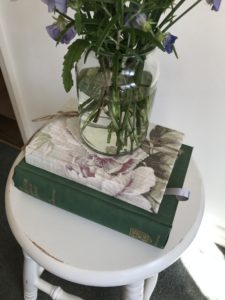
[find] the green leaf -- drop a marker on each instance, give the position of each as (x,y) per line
(120,11)
(73,54)
(78,22)
(104,1)
(115,69)
(105,33)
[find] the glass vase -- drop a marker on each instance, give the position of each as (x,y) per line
(115,97)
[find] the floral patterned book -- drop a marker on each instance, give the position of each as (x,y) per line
(139,178)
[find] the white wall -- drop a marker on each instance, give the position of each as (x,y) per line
(191,90)
(33,60)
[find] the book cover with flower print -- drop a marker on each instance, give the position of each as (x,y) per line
(139,178)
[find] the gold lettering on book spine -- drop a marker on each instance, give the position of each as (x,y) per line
(29,188)
(52,200)
(140,235)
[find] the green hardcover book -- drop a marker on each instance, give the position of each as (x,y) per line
(104,209)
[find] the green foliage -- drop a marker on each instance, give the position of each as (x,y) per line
(74,53)
(120,33)
(118,27)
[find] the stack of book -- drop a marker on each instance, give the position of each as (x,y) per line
(125,193)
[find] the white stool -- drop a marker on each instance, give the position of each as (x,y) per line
(87,253)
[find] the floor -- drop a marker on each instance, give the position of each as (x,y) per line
(205,263)
(9,132)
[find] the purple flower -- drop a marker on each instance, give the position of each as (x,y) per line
(168,42)
(139,20)
(54,32)
(216,5)
(61,5)
(136,22)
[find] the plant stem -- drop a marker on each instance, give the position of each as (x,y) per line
(184,13)
(167,18)
(64,15)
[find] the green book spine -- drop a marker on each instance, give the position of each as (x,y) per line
(104,209)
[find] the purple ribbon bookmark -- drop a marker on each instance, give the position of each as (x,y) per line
(181,194)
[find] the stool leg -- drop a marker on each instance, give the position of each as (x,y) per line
(133,291)
(30,277)
(55,292)
(150,284)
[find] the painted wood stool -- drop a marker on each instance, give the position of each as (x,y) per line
(84,252)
